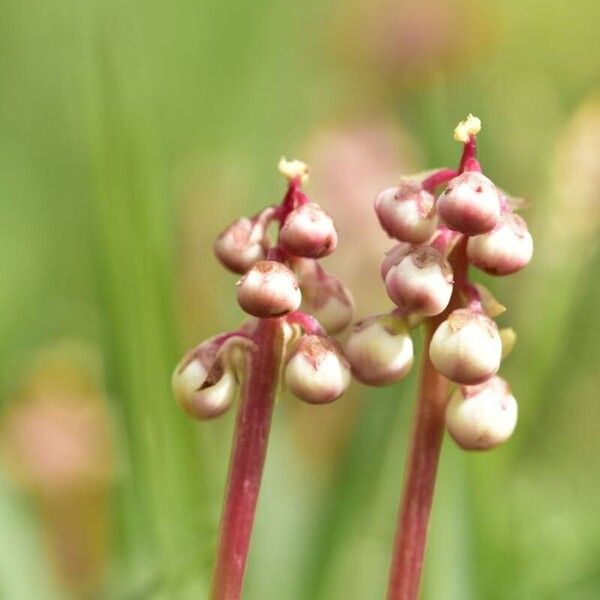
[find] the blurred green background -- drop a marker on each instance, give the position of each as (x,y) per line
(131,133)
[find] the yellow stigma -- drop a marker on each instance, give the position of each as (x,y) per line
(293,169)
(467,129)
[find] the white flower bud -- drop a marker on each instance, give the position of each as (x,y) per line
(406,212)
(268,289)
(470,204)
(466,347)
(203,385)
(332,307)
(482,417)
(421,282)
(316,370)
(241,245)
(393,256)
(504,250)
(325,297)
(308,231)
(380,350)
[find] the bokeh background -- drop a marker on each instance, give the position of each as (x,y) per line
(131,133)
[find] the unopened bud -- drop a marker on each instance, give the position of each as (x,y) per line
(470,204)
(316,370)
(466,347)
(203,384)
(482,417)
(325,297)
(268,289)
(504,250)
(308,231)
(241,245)
(393,256)
(380,350)
(421,282)
(406,212)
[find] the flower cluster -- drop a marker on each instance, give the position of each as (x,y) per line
(281,280)
(444,221)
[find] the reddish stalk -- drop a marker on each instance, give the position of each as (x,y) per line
(248,454)
(413,518)
(421,467)
(438,178)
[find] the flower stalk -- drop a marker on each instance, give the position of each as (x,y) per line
(422,462)
(426,275)
(426,443)
(248,455)
(278,278)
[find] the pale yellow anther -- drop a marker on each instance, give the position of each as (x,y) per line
(467,129)
(293,169)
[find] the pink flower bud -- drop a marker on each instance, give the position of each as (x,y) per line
(504,250)
(241,245)
(482,417)
(203,385)
(308,231)
(380,350)
(316,370)
(421,282)
(325,297)
(268,289)
(406,212)
(466,347)
(393,256)
(470,204)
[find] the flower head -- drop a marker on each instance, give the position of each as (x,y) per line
(483,416)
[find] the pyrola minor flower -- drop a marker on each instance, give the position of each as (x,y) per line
(466,347)
(380,350)
(269,289)
(203,383)
(427,277)
(470,204)
(243,242)
(324,296)
(406,212)
(308,231)
(483,416)
(393,256)
(421,282)
(504,250)
(316,370)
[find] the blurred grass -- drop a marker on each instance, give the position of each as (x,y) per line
(126,126)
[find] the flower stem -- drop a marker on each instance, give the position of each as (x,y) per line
(438,178)
(247,461)
(421,467)
(413,518)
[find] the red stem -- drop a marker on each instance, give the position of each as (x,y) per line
(438,178)
(308,323)
(247,461)
(413,518)
(421,470)
(469,154)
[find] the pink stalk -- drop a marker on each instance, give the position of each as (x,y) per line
(308,323)
(248,454)
(438,178)
(427,435)
(468,155)
(421,466)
